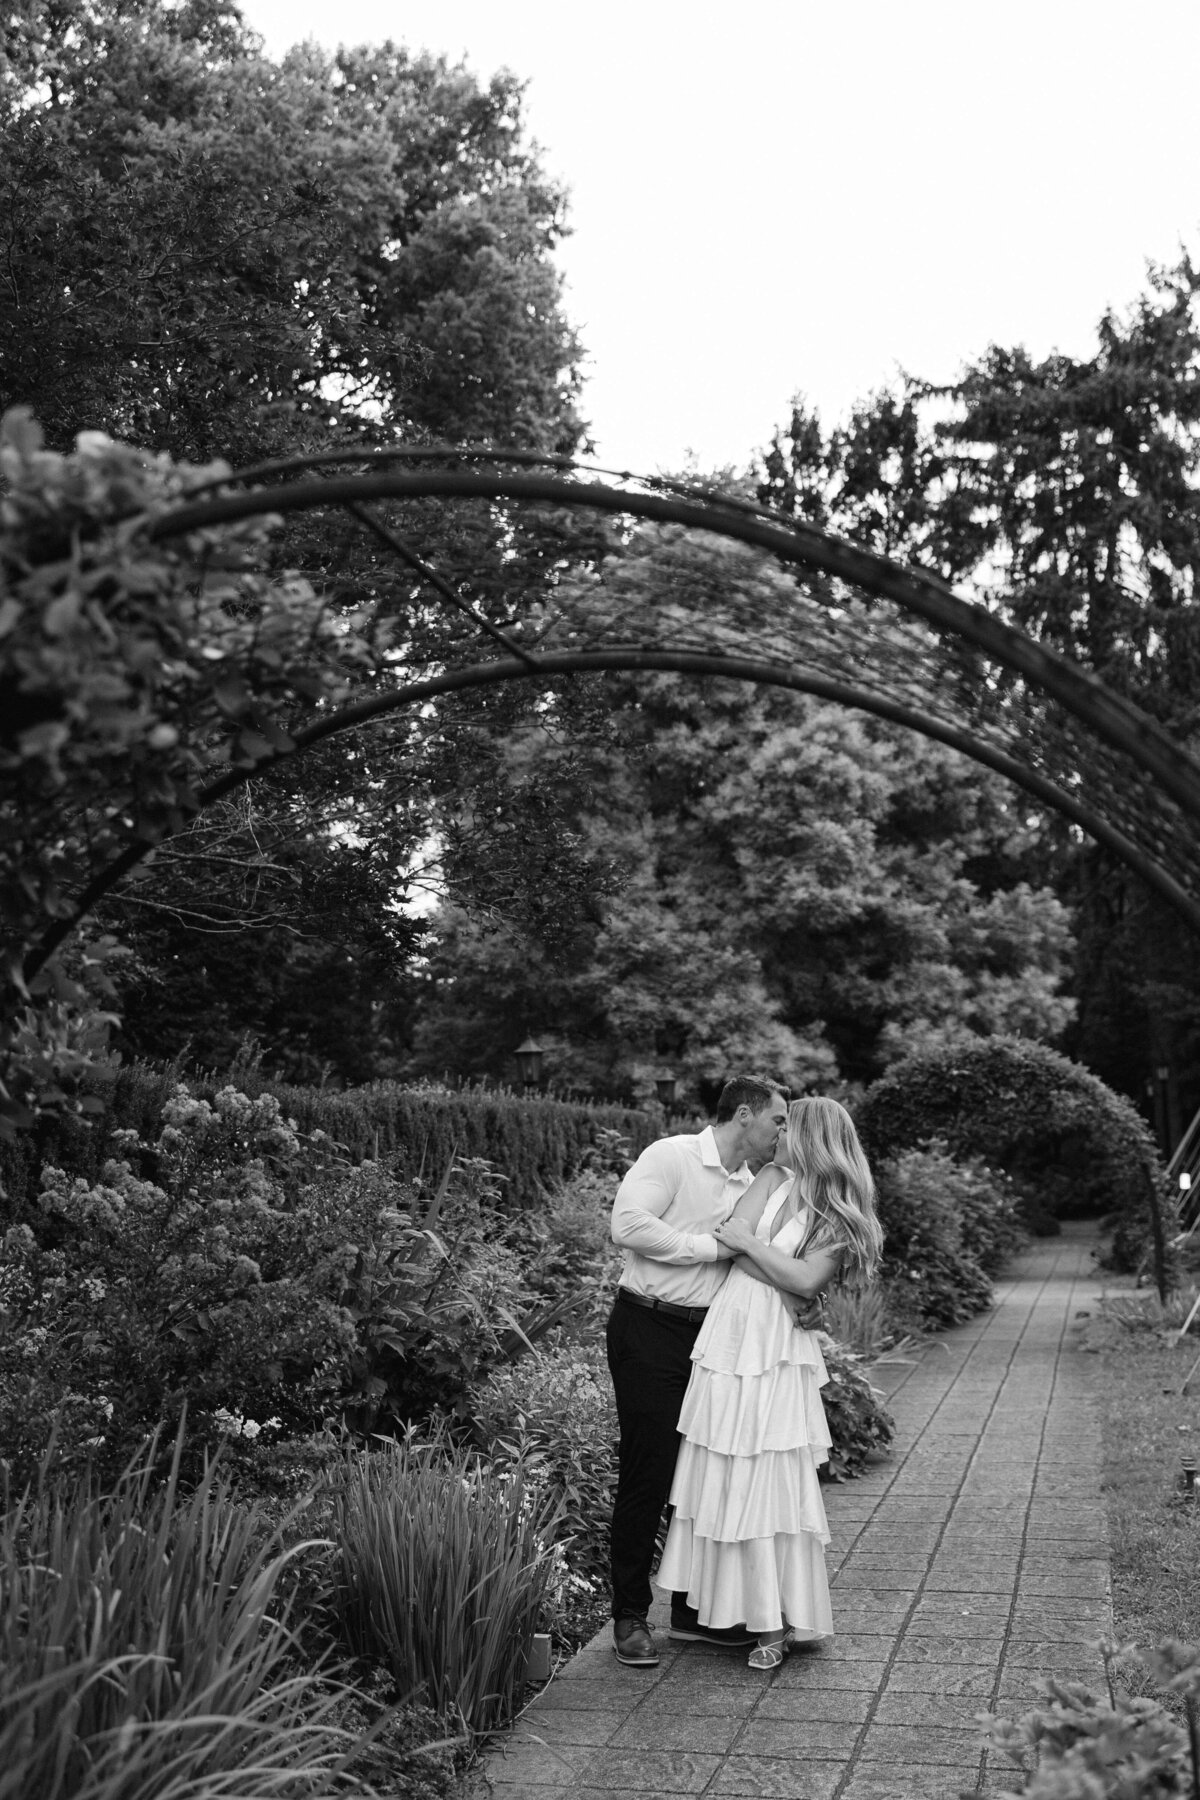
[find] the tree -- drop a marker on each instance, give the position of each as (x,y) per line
(217,255)
(212,253)
(1063,492)
(803,890)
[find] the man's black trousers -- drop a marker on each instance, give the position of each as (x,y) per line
(650,1360)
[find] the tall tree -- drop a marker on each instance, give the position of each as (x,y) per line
(1063,492)
(214,254)
(801,890)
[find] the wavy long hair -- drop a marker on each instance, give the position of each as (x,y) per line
(836,1183)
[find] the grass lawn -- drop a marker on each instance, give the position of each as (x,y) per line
(1148,1425)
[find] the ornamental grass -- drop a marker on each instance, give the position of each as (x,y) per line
(147,1653)
(443,1566)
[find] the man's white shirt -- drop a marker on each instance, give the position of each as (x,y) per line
(667,1207)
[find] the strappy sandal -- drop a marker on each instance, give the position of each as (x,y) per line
(770,1655)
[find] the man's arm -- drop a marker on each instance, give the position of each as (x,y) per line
(643,1197)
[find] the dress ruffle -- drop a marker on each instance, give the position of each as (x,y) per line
(732,1498)
(779,1409)
(748,1330)
(759,1583)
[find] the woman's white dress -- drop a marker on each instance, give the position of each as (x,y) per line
(748,1535)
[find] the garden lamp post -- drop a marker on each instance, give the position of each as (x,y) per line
(529,1058)
(665,1087)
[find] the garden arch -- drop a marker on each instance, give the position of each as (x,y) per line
(859,630)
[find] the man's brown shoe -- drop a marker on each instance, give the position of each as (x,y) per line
(633,1643)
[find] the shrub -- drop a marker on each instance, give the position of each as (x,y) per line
(149,1293)
(926,1264)
(1050,1124)
(537,1143)
(860,1320)
(260,1280)
(859,1423)
(990,1211)
(554,1412)
(147,1646)
(442,1568)
(430,1283)
(571,1262)
(1108,1748)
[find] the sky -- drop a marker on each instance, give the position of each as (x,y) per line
(780,197)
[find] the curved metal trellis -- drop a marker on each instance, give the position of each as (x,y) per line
(851,627)
(934,661)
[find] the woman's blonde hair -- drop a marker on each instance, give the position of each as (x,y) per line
(836,1183)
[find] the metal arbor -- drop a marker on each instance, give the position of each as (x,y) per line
(850,627)
(924,658)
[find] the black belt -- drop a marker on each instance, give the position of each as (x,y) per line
(670,1310)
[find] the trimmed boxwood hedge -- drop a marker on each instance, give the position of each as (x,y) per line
(1062,1135)
(536,1143)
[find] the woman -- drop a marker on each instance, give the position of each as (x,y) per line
(748,1533)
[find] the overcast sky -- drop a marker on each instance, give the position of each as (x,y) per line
(775,197)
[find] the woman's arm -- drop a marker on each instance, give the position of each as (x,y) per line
(805,1275)
(752,1203)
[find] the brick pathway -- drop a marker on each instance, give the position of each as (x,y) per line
(964,1569)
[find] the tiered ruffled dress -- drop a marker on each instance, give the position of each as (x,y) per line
(748,1535)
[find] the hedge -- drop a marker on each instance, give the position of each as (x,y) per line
(536,1143)
(1053,1125)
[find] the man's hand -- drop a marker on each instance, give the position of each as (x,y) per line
(809,1315)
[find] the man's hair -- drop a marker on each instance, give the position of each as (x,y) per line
(746,1090)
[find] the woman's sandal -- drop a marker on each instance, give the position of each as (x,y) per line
(770,1655)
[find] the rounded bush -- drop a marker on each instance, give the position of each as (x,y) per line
(1057,1130)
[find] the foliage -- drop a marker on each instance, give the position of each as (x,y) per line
(802,889)
(148,1646)
(1062,492)
(859,1423)
(857,1317)
(1082,1746)
(192,1288)
(925,1249)
(553,1411)
(990,1208)
(442,1568)
(127,678)
(245,1275)
(1148,1422)
(1063,489)
(539,1142)
(571,1264)
(289,246)
(215,254)
(1050,1124)
(428,1282)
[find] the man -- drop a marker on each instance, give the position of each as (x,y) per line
(666,1209)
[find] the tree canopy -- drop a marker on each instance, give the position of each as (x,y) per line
(800,889)
(214,254)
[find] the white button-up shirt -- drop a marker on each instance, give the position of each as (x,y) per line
(667,1207)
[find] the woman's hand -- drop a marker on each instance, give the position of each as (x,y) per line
(735,1234)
